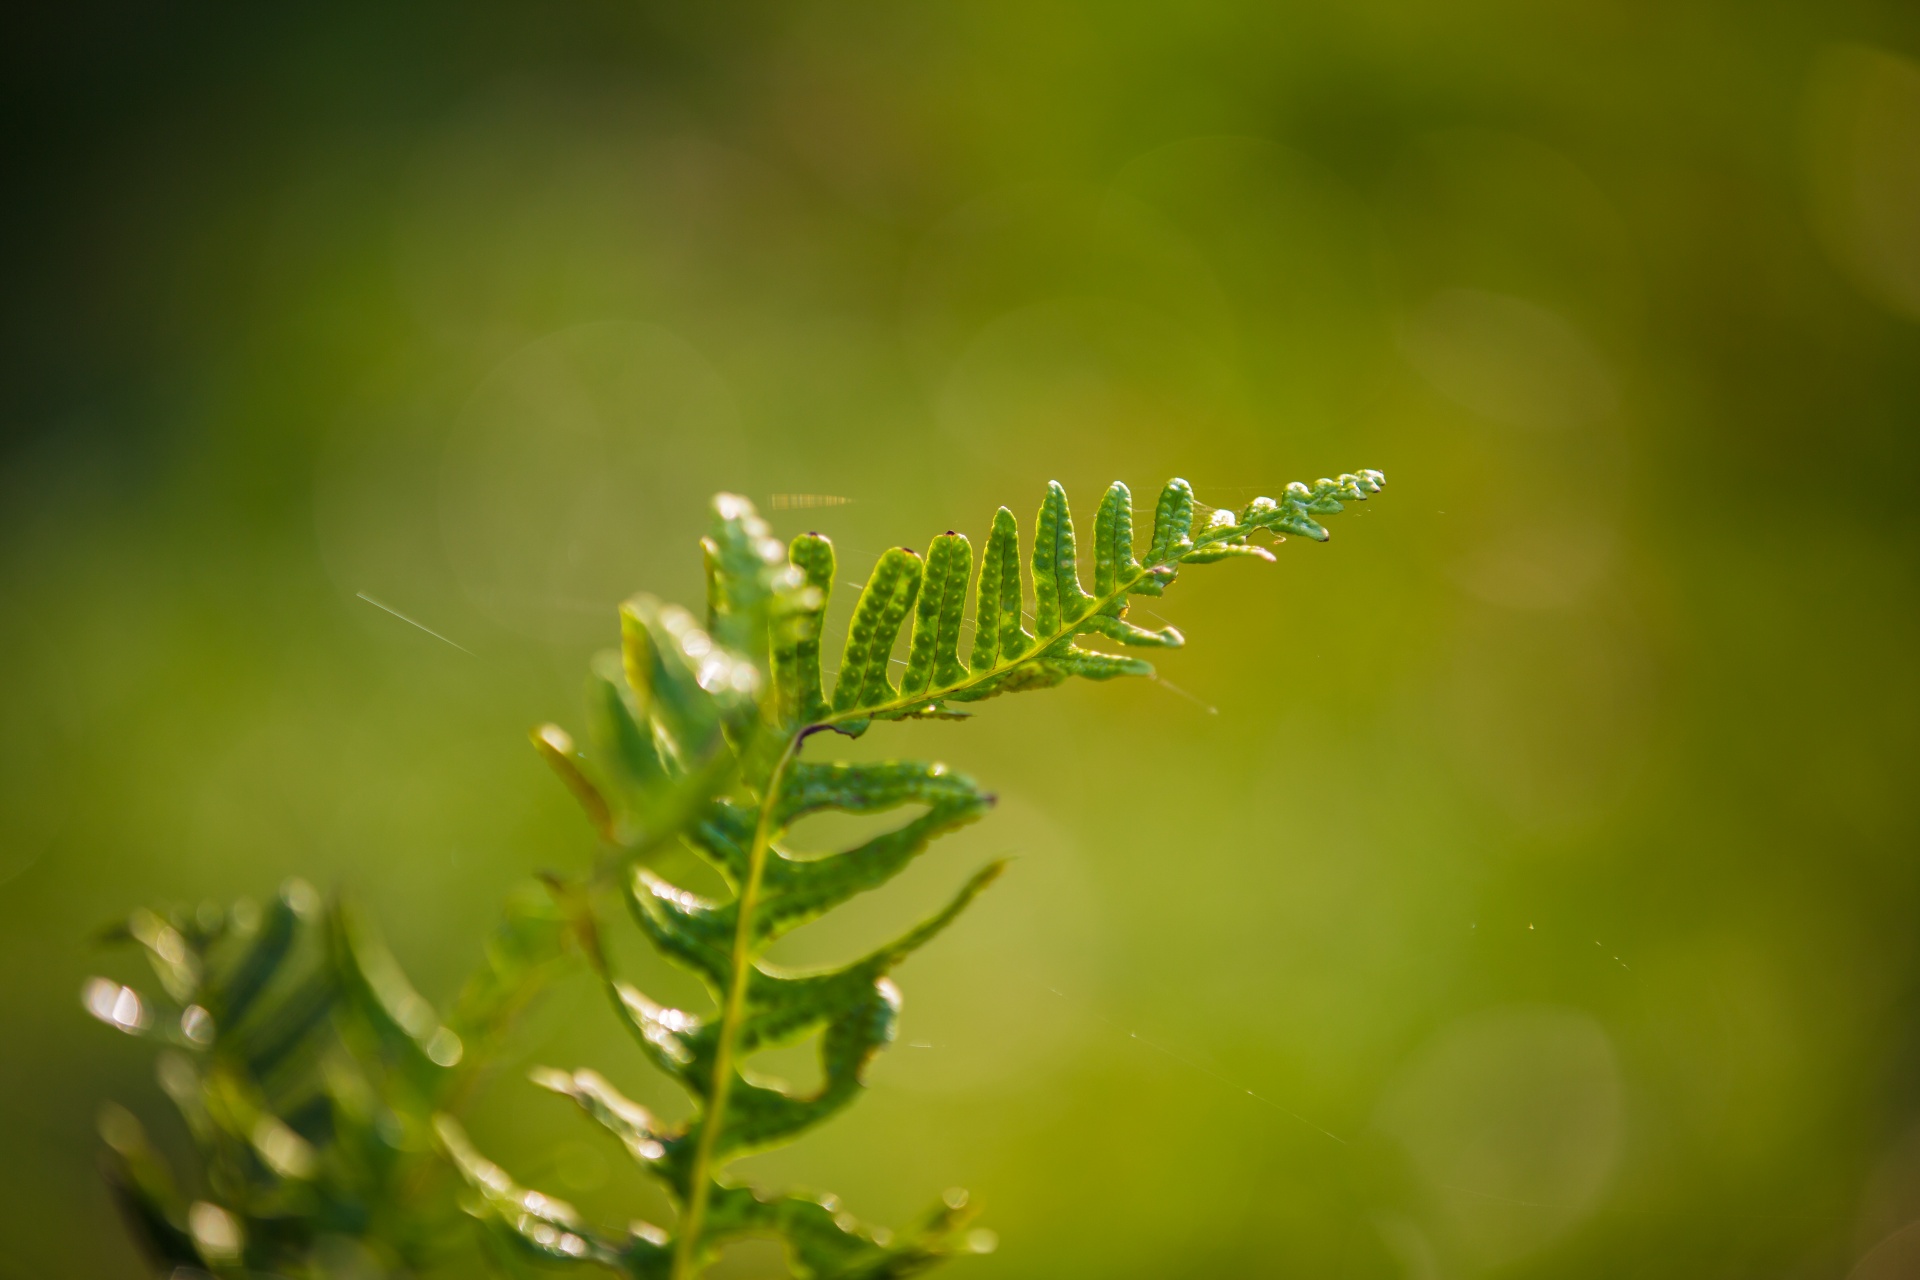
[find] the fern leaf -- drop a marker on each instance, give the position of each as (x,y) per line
(681,925)
(1172,519)
(998,631)
(626,1120)
(1114,628)
(1214,553)
(403,1021)
(633,755)
(555,746)
(797,890)
(697,683)
(826,1243)
(671,717)
(796,648)
(704,743)
(747,572)
(1057,595)
(1113,541)
(1088,664)
(539,1228)
(866,788)
(933,656)
(662,1031)
(884,604)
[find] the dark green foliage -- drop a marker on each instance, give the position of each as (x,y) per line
(308,1071)
(697,736)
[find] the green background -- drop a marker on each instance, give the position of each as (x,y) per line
(1523,884)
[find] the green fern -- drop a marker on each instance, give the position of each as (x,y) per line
(697,735)
(308,1072)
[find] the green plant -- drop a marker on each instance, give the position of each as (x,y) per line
(698,734)
(308,1071)
(696,737)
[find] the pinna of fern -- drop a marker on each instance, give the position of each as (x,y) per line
(696,735)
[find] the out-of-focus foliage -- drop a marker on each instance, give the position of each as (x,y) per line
(697,737)
(463,308)
(308,1072)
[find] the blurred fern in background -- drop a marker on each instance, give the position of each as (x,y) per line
(307,1070)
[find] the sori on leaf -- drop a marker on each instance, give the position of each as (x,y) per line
(696,732)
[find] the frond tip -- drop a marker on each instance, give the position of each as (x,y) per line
(1007,656)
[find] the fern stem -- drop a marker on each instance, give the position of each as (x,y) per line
(733,1008)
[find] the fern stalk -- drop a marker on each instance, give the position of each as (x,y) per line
(741,960)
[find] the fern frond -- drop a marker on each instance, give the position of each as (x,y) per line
(307,1069)
(696,735)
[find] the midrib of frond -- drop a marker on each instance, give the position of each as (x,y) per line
(740,966)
